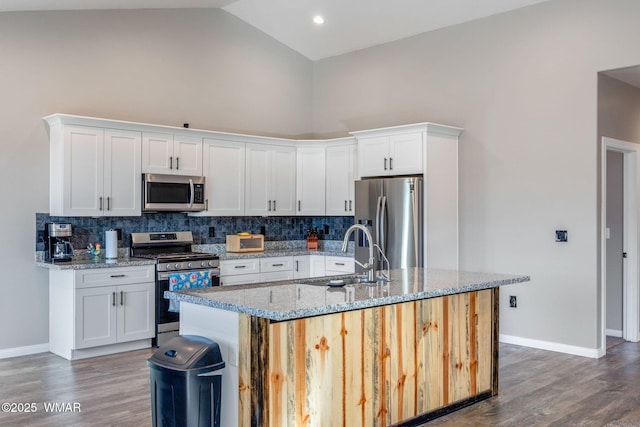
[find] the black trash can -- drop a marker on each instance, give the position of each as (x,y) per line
(185,387)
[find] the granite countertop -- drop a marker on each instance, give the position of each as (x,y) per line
(282,252)
(85,262)
(296,299)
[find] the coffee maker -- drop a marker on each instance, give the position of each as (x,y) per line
(58,241)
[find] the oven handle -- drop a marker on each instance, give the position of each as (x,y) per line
(164,275)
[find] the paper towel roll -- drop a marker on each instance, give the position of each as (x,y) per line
(111,244)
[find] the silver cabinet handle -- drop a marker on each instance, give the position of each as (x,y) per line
(170,162)
(345,205)
(240,266)
(385,163)
(269,205)
(177,163)
(121,298)
(390,163)
(206,204)
(299,206)
(297,266)
(108,203)
(339,263)
(113,299)
(350,205)
(114,276)
(277,265)
(100,198)
(274,205)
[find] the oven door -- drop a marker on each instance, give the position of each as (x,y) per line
(163,315)
(172,193)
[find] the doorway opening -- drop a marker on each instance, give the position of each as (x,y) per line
(630,322)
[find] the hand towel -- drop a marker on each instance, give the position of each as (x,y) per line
(187,280)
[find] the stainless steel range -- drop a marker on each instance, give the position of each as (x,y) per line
(173,254)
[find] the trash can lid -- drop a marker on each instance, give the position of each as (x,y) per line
(187,352)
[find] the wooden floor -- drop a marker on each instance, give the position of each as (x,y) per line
(537,388)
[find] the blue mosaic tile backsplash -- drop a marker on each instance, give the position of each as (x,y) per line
(91,230)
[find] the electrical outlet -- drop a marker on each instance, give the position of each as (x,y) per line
(513,301)
(263,230)
(326,229)
(212,232)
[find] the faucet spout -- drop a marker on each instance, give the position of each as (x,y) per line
(371,265)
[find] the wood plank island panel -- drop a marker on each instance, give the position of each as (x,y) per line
(371,367)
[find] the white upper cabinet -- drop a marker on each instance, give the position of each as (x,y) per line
(169,154)
(385,155)
(270,180)
(224,170)
(94,171)
(310,181)
(341,174)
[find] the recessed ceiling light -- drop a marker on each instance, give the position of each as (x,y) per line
(318,19)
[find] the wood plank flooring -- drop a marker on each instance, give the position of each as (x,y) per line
(537,388)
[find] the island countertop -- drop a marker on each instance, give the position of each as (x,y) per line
(296,299)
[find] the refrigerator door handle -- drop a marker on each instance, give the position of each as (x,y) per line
(378,205)
(383,231)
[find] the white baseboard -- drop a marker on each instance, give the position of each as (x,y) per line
(613,333)
(24,351)
(551,346)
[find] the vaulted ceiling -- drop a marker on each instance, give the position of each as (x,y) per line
(349,24)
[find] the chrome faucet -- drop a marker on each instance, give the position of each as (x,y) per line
(369,266)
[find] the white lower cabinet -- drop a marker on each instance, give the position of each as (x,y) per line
(101,311)
(271,269)
(114,314)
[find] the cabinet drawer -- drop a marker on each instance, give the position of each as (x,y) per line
(275,276)
(239,266)
(114,276)
(339,264)
(239,279)
(281,263)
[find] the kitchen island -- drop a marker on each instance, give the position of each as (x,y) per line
(397,352)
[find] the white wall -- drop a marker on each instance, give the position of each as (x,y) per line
(524,86)
(204,67)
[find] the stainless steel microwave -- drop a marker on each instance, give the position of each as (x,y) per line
(172,193)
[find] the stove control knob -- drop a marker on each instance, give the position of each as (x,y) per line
(190,265)
(168,266)
(211,263)
(177,265)
(202,264)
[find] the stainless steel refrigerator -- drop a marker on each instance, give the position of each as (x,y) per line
(392,209)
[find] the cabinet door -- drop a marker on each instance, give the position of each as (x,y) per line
(241,279)
(136,311)
(83,171)
(405,154)
(187,152)
(283,180)
(122,168)
(223,167)
(275,276)
(95,317)
(258,177)
(280,263)
(302,266)
(157,153)
(373,156)
(340,174)
(310,181)
(317,267)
